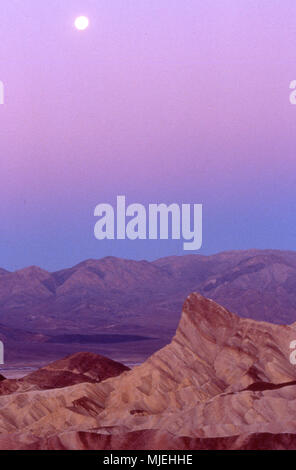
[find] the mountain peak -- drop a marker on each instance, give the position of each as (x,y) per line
(32,271)
(203,318)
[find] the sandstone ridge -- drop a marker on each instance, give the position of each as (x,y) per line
(221,382)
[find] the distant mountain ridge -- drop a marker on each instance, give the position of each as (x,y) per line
(113,285)
(117,296)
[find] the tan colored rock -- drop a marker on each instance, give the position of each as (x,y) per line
(221,377)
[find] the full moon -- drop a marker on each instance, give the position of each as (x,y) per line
(81,23)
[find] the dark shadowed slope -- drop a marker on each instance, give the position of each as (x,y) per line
(75,369)
(160,440)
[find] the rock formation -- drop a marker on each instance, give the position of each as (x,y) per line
(74,369)
(223,382)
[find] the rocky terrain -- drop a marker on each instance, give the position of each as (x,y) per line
(224,382)
(75,369)
(129,309)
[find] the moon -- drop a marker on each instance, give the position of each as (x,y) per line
(81,23)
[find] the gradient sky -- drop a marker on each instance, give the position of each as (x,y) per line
(159,100)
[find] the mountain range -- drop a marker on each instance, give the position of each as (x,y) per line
(128,309)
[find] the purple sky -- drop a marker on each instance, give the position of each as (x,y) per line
(159,100)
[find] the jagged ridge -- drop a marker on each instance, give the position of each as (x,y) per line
(206,384)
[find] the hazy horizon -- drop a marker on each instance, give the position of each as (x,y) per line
(151,260)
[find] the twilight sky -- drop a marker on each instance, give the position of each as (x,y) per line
(159,100)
